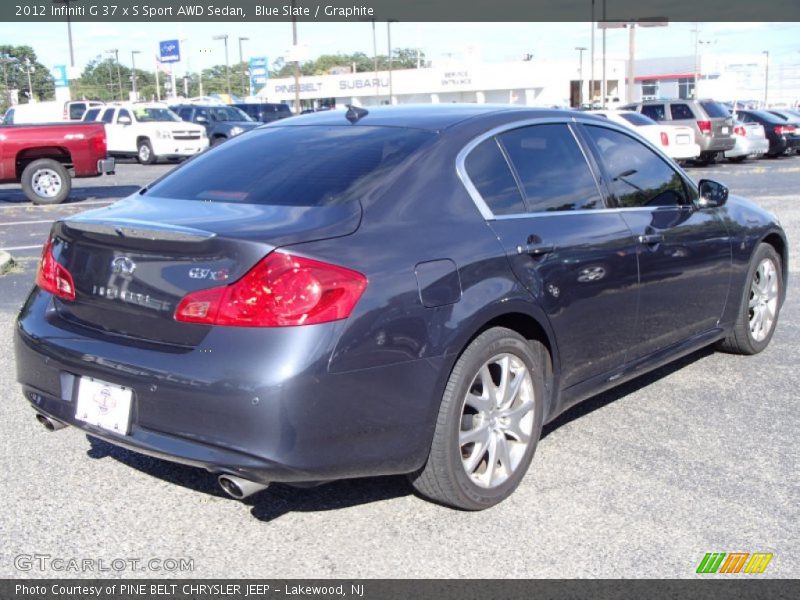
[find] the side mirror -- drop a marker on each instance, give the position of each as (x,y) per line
(712,194)
(124,121)
(201,120)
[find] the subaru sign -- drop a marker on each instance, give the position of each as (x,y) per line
(169,51)
(259,73)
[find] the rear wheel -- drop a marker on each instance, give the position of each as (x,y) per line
(737,159)
(489,422)
(760,304)
(46,181)
(144,152)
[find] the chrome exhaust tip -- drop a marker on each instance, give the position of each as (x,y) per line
(239,488)
(50,424)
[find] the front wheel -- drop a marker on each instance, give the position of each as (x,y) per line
(760,304)
(144,152)
(489,422)
(46,181)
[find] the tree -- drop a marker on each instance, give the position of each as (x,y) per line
(402,58)
(16,60)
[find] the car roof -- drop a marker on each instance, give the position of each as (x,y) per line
(421,116)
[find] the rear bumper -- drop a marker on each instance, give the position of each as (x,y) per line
(684,151)
(106,166)
(748,147)
(261,404)
(716,144)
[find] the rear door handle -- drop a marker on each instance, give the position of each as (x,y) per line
(539,249)
(651,238)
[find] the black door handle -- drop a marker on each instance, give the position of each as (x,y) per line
(651,238)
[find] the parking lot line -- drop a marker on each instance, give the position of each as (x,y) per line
(67,205)
(12,248)
(25,222)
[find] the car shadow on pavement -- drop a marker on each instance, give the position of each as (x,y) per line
(596,402)
(280,499)
(267,505)
(78,193)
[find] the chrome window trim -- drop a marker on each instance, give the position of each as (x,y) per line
(487,213)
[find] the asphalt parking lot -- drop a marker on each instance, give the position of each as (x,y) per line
(642,481)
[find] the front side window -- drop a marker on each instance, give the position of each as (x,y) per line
(123,114)
(91,114)
(637,175)
(551,168)
(490,174)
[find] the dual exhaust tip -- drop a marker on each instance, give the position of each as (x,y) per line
(234,486)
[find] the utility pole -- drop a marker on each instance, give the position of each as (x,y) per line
(603,87)
(591,61)
(133,73)
(389,42)
(296,62)
(241,63)
(69,30)
(375,62)
(631,59)
(580,50)
(30,85)
(766,76)
(224,38)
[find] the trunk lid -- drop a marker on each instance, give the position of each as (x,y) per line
(133,262)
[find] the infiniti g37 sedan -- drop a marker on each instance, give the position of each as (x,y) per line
(403,290)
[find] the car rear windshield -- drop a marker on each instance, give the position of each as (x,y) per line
(293,166)
(715,110)
(637,119)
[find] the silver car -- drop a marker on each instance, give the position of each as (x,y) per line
(751,141)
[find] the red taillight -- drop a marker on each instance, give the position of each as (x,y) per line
(705,127)
(784,129)
(99,144)
(280,291)
(664,138)
(739,130)
(52,276)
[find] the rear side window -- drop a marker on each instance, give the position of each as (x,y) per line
(638,176)
(91,114)
(294,166)
(715,110)
(655,112)
(108,116)
(551,168)
(490,174)
(681,111)
(76,110)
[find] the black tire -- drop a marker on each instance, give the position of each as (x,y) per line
(46,181)
(216,141)
(741,339)
(444,477)
(737,159)
(144,152)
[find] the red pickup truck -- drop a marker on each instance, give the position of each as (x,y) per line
(45,157)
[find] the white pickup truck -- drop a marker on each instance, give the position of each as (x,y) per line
(149,131)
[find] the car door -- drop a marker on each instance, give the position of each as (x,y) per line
(575,258)
(126,130)
(684,251)
(114,138)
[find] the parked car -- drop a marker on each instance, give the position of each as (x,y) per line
(148,131)
(395,290)
(75,109)
(265,112)
(44,158)
(783,137)
(751,141)
(222,122)
(47,112)
(676,142)
(711,122)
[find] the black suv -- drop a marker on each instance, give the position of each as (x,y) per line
(265,112)
(220,120)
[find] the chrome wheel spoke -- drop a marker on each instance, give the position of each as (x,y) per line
(503,456)
(473,436)
(763,302)
(512,391)
(491,460)
(480,403)
(513,421)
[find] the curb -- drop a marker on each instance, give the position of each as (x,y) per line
(5,261)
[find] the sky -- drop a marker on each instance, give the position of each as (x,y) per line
(491,42)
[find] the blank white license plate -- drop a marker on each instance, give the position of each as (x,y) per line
(683,139)
(104,405)
(725,130)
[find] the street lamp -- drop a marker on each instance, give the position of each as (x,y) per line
(241,62)
(224,38)
(580,50)
(389,43)
(133,73)
(766,76)
(69,29)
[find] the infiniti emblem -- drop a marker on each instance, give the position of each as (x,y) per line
(124,265)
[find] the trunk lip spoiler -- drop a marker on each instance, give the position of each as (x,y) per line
(136,229)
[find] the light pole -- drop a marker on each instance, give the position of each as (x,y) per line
(389,43)
(69,29)
(224,38)
(766,76)
(591,62)
(375,63)
(115,52)
(580,50)
(28,69)
(296,62)
(241,62)
(133,73)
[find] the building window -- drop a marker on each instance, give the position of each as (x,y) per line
(686,88)
(649,89)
